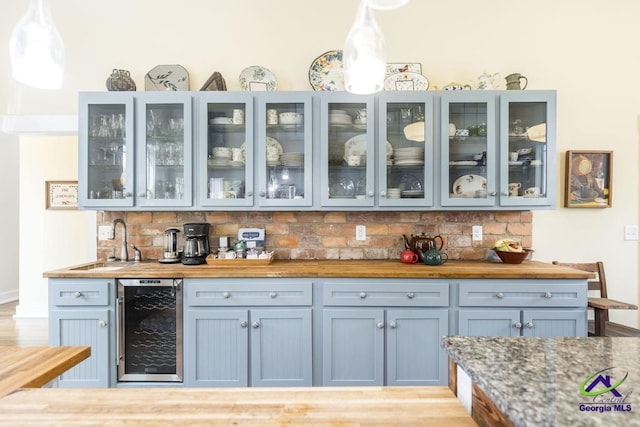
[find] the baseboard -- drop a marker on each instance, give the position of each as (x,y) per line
(8,296)
(23,312)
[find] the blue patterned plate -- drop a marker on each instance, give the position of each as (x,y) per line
(326,72)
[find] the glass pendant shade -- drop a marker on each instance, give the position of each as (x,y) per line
(385,4)
(36,48)
(364,55)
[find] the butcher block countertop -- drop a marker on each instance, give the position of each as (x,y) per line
(311,268)
(327,406)
(35,366)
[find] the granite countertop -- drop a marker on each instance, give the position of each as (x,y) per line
(312,268)
(537,381)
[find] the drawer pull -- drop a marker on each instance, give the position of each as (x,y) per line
(255,325)
(411,295)
(102,323)
(273,294)
(517,325)
(393,325)
(380,325)
(77,294)
(528,325)
(363,295)
(226,295)
(547,295)
(243,324)
(499,295)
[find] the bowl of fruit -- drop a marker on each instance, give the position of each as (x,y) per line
(510,251)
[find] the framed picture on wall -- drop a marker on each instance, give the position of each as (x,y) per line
(588,179)
(62,195)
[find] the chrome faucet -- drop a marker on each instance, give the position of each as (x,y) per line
(124,255)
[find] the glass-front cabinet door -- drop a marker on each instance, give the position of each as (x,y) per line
(225,149)
(283,149)
(405,149)
(527,151)
(347,159)
(468,148)
(105,150)
(164,158)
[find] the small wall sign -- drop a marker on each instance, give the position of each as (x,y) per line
(62,195)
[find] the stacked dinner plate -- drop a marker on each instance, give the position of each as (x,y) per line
(408,156)
(221,156)
(393,193)
(292,159)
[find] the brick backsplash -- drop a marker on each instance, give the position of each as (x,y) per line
(327,235)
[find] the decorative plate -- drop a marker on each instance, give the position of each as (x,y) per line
(167,78)
(256,78)
(325,72)
(401,67)
(406,81)
(273,145)
(467,185)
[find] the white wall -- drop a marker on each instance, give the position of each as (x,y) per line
(585,49)
(9,195)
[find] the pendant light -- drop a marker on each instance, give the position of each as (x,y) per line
(385,4)
(364,54)
(36,48)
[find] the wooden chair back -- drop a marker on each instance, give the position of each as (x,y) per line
(598,283)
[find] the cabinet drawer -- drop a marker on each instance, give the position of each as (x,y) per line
(74,292)
(523,293)
(240,292)
(404,293)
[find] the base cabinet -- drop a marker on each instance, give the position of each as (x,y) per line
(239,334)
(80,315)
(526,323)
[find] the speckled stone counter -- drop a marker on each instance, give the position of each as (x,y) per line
(538,381)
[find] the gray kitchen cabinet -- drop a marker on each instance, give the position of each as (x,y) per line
(239,333)
(81,314)
(522,308)
(497,149)
(382,332)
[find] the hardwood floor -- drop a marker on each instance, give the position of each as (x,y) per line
(23,332)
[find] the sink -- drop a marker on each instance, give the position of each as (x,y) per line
(100,266)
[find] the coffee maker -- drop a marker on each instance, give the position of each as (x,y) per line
(196,248)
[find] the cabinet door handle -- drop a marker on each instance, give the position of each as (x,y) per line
(262,194)
(226,295)
(255,325)
(102,323)
(504,193)
(499,295)
(380,325)
(273,294)
(363,295)
(370,194)
(383,194)
(528,325)
(411,295)
(517,325)
(393,325)
(249,193)
(77,294)
(493,193)
(243,324)
(547,295)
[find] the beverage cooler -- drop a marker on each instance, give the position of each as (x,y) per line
(149,330)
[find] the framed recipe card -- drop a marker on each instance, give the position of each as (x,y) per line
(62,195)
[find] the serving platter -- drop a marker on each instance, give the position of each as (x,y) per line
(468,185)
(357,146)
(326,73)
(166,78)
(257,79)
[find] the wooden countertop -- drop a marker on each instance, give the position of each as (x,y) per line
(35,366)
(311,268)
(344,406)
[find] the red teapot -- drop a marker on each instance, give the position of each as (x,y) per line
(408,256)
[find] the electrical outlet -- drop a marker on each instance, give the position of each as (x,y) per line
(630,232)
(361,232)
(106,232)
(476,233)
